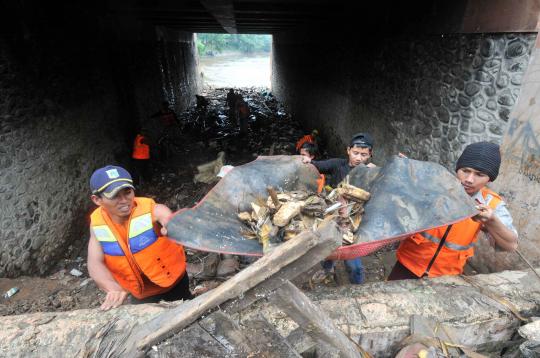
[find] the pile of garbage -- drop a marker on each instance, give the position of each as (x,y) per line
(284,215)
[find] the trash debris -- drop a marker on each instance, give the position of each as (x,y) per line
(227,266)
(286,214)
(75,272)
(205,268)
(208,172)
(224,170)
(12,291)
(85,282)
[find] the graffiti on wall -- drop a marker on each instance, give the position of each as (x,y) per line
(524,149)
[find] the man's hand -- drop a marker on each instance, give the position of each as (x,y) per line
(113,299)
(401,155)
(305,159)
(485,215)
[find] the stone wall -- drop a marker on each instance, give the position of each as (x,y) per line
(519,181)
(426,96)
(70,101)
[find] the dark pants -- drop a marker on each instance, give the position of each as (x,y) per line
(179,292)
(400,272)
(354,268)
(142,172)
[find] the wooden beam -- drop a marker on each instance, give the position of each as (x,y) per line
(313,320)
(170,322)
(331,241)
(223,329)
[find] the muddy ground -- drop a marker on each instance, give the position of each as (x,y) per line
(202,135)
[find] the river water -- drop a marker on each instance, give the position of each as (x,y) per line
(236,70)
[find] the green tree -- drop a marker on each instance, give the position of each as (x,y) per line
(212,44)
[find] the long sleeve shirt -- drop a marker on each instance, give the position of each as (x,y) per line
(338,168)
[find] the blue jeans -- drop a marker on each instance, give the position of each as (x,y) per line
(354,268)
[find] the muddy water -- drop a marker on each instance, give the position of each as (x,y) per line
(236,70)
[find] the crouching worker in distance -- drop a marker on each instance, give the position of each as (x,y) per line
(129,252)
(445,250)
(309,150)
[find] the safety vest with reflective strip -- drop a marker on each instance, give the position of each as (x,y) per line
(143,263)
(416,252)
(140,149)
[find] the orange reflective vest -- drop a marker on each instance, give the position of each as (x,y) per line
(416,252)
(320,183)
(143,263)
(140,149)
(308,138)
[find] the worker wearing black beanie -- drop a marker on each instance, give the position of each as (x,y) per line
(482,156)
(444,250)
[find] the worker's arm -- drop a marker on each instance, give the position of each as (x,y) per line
(505,238)
(327,166)
(116,295)
(162,214)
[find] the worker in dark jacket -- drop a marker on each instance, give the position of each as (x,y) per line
(360,152)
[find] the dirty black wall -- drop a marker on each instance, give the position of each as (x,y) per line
(72,92)
(426,96)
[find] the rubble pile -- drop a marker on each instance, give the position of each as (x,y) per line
(211,140)
(271,130)
(284,215)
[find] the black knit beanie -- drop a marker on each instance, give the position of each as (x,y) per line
(482,156)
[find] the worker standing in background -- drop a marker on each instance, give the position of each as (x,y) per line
(128,250)
(242,113)
(141,158)
(231,103)
(445,250)
(165,121)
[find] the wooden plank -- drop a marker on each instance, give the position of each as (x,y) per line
(193,342)
(300,341)
(312,319)
(330,240)
(170,322)
(268,340)
(228,333)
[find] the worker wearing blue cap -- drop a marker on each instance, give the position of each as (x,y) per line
(128,251)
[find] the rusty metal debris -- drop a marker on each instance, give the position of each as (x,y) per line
(283,215)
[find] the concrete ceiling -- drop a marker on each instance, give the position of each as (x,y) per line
(232,16)
(273,16)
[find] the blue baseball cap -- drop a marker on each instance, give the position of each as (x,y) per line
(109,180)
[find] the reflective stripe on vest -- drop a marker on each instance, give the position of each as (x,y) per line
(107,240)
(449,245)
(141,235)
